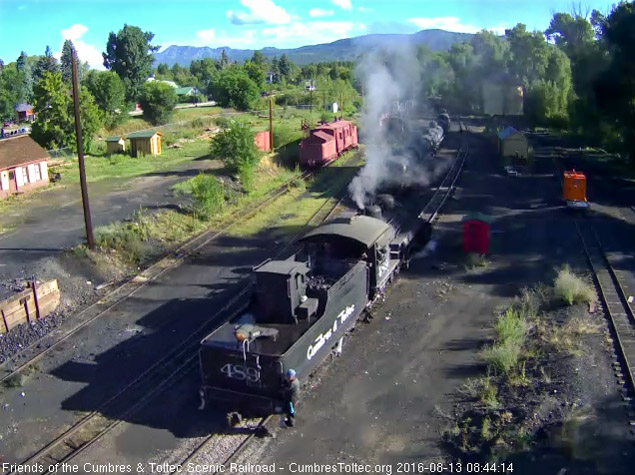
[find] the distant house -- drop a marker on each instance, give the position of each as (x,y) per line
(512,143)
(170,83)
(116,144)
(187,91)
(145,143)
(23,165)
(24,112)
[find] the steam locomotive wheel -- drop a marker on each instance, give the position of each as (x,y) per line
(233,419)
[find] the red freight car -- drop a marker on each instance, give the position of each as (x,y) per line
(327,142)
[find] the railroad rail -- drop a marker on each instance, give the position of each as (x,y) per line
(173,259)
(447,186)
(617,309)
(165,372)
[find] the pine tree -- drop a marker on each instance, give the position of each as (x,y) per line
(67,61)
(275,69)
(224,60)
(45,63)
(284,66)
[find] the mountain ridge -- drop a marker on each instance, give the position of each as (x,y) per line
(346,49)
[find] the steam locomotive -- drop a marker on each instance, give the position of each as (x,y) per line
(300,308)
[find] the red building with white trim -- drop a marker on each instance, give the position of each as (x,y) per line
(23,165)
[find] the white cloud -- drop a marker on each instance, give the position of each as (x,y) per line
(317,12)
(206,35)
(300,34)
(451,23)
(344,4)
(364,9)
(85,51)
(260,11)
(74,33)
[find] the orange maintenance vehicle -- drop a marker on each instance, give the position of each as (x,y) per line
(574,190)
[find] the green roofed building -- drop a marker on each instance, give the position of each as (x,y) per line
(145,143)
(187,91)
(116,144)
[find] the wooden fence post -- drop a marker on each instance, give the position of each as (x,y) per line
(37,304)
(4,319)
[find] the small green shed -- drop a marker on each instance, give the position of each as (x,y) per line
(145,143)
(115,144)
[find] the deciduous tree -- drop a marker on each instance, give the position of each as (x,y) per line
(55,124)
(130,54)
(110,95)
(234,88)
(157,100)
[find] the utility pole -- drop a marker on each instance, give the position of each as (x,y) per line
(80,155)
(311,97)
(271,122)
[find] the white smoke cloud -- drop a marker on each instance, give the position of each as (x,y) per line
(391,77)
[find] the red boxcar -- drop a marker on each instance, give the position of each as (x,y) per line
(327,142)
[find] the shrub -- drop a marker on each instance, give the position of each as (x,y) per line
(284,135)
(572,289)
(234,146)
(511,331)
(208,193)
(126,238)
(502,356)
(511,327)
(157,101)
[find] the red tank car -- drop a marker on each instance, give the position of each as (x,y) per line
(327,142)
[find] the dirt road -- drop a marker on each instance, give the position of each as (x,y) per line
(53,221)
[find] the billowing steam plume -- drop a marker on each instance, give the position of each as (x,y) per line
(391,76)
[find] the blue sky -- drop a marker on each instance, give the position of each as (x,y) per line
(30,25)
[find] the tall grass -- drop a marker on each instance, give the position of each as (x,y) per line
(511,332)
(124,237)
(208,193)
(572,289)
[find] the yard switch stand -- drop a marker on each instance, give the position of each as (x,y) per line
(80,155)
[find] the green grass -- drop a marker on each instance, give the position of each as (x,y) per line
(291,212)
(571,288)
(511,333)
(124,166)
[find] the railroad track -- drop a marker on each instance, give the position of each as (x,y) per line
(165,372)
(447,186)
(174,258)
(618,311)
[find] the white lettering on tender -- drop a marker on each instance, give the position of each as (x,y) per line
(321,340)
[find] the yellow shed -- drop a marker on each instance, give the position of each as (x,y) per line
(145,143)
(116,144)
